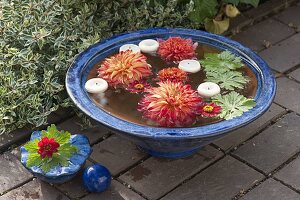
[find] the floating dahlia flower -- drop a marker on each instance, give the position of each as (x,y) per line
(176,49)
(172,74)
(171,104)
(47,147)
(138,86)
(209,110)
(124,68)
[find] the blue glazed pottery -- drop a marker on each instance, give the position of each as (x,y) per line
(61,174)
(159,141)
(96,178)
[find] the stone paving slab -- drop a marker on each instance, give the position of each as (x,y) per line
(117,154)
(117,191)
(238,136)
(274,146)
(265,33)
(94,134)
(295,74)
(34,190)
(74,188)
(271,190)
(12,172)
(282,62)
(222,181)
(288,94)
(290,174)
(157,176)
(290,15)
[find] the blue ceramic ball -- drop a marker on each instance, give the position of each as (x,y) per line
(96,178)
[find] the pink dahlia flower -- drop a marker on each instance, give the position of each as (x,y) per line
(172,74)
(171,104)
(176,49)
(209,110)
(124,68)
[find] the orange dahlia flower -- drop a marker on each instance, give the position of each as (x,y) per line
(124,68)
(176,49)
(171,104)
(172,74)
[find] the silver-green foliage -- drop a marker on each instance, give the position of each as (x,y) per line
(40,38)
(233,104)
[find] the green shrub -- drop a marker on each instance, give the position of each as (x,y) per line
(40,38)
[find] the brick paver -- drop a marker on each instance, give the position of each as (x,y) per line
(274,57)
(290,174)
(12,172)
(221,181)
(238,136)
(94,134)
(34,190)
(288,94)
(156,176)
(117,191)
(117,154)
(265,33)
(274,146)
(271,190)
(74,188)
(296,74)
(290,16)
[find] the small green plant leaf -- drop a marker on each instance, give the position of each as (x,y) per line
(227,80)
(34,159)
(63,137)
(233,104)
(222,62)
(67,150)
(52,131)
(203,9)
(32,146)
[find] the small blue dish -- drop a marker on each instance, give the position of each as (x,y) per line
(61,174)
(96,178)
(159,141)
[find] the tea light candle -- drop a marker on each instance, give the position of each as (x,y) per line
(191,66)
(149,46)
(96,85)
(208,89)
(134,48)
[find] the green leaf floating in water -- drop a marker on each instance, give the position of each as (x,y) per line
(221,62)
(233,104)
(227,80)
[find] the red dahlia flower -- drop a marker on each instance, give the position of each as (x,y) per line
(47,147)
(209,110)
(138,86)
(172,104)
(124,68)
(172,74)
(176,49)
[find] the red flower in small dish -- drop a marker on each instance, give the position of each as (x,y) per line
(47,147)
(138,86)
(209,110)
(172,74)
(171,104)
(176,49)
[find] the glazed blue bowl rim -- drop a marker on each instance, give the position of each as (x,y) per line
(264,96)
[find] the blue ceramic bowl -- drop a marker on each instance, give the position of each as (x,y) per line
(168,142)
(61,174)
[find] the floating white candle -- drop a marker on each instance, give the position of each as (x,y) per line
(149,46)
(134,48)
(208,89)
(191,66)
(96,85)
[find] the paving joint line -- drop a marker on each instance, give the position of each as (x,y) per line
(131,188)
(17,186)
(287,185)
(192,176)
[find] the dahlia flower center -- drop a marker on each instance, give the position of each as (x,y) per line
(208,108)
(173,101)
(139,86)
